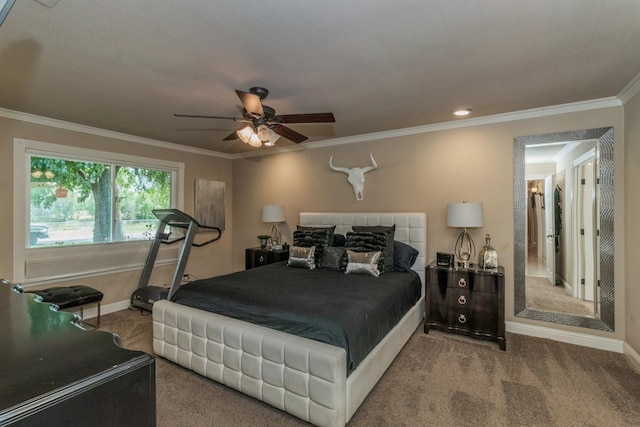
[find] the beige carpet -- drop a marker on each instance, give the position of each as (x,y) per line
(542,295)
(437,380)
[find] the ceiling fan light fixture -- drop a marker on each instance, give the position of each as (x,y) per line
(245,134)
(254,141)
(267,136)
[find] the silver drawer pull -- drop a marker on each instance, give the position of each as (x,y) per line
(462,318)
(261,259)
(462,300)
(462,282)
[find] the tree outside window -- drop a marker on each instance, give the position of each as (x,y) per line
(79,202)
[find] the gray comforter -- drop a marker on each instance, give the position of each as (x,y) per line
(345,310)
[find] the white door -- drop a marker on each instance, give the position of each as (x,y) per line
(588,234)
(550,227)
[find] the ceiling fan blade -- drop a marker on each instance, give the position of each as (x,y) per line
(290,134)
(251,103)
(237,119)
(306,118)
(231,136)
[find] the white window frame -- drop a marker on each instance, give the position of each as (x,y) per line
(37,266)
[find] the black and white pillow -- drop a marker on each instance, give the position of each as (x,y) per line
(306,239)
(366,241)
(300,257)
(390,231)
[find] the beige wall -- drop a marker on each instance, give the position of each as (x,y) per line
(632,225)
(416,173)
(210,260)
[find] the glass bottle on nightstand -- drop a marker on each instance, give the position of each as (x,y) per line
(488,257)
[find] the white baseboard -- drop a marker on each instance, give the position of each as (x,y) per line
(587,340)
(632,355)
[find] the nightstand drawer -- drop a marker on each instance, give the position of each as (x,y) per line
(449,296)
(470,319)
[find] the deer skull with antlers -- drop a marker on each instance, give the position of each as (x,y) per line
(355,176)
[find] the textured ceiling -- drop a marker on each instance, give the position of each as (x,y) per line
(378,65)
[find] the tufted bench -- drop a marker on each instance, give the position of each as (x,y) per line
(72,296)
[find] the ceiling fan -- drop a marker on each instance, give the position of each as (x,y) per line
(264,126)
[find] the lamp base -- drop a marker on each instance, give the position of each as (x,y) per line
(276,237)
(465,249)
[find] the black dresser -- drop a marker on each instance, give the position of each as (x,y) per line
(467,301)
(55,373)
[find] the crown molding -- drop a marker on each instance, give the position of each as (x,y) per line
(61,124)
(458,124)
(630,90)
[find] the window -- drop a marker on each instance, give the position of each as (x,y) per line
(80,212)
(80,202)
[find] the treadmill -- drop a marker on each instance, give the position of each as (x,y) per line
(146,295)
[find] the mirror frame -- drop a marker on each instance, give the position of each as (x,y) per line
(605,138)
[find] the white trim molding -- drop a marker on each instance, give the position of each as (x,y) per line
(627,93)
(586,340)
(630,90)
(573,107)
(632,355)
(60,124)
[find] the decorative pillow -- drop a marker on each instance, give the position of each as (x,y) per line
(390,231)
(332,257)
(404,256)
(306,239)
(338,240)
(302,257)
(329,229)
(363,263)
(366,241)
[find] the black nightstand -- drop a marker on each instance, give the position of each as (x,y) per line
(466,301)
(256,257)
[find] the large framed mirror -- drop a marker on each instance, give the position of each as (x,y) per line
(602,256)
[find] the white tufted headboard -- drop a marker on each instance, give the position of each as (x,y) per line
(411,228)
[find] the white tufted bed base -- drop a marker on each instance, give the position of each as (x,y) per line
(303,377)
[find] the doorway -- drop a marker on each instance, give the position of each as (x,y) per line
(546,288)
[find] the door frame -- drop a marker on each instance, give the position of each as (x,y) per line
(578,290)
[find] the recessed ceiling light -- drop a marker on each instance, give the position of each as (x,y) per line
(462,112)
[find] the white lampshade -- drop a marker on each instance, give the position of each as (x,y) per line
(254,141)
(273,213)
(465,215)
(267,136)
(245,133)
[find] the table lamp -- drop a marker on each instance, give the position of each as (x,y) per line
(465,215)
(274,214)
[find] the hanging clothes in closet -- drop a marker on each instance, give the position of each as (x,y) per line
(557,209)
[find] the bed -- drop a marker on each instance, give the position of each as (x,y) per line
(315,381)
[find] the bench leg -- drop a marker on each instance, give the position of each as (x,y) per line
(97,325)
